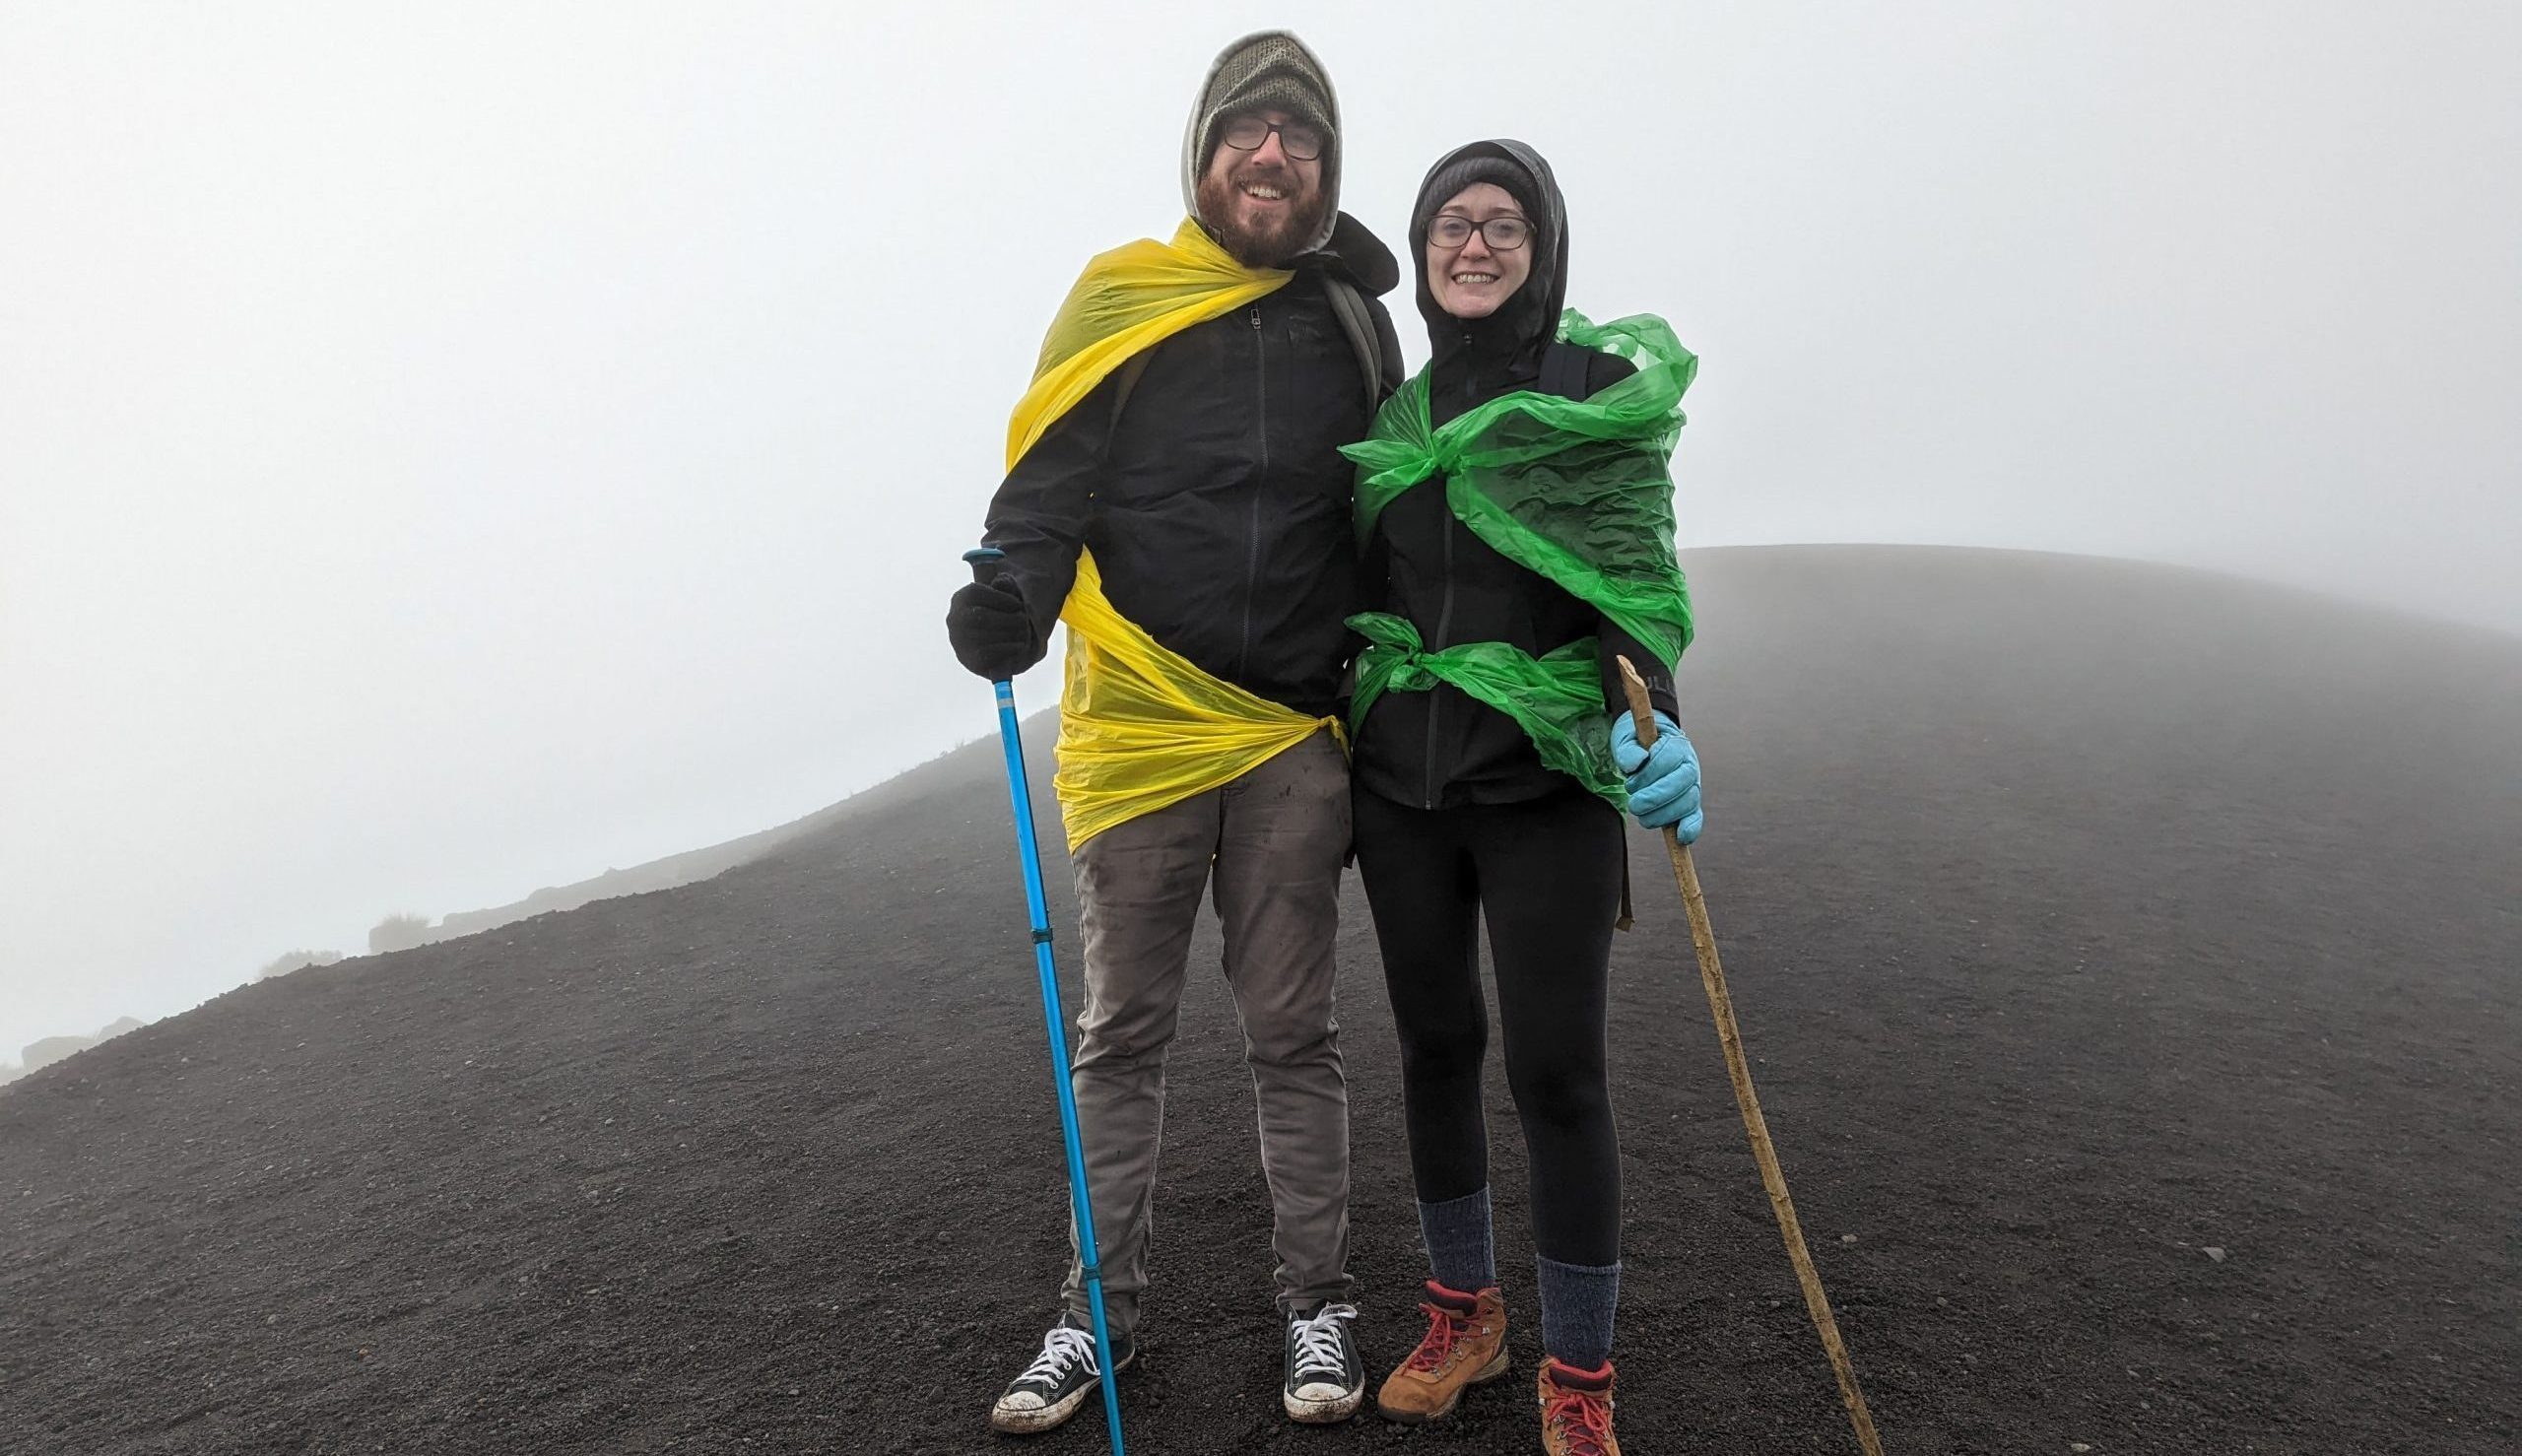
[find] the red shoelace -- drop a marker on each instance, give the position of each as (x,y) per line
(1583,1418)
(1444,1327)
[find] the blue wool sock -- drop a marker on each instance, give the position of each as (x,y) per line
(1460,1255)
(1577,1302)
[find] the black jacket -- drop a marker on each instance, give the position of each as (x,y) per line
(1443,747)
(1217,502)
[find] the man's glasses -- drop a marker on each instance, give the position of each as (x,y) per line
(1301,141)
(1504,234)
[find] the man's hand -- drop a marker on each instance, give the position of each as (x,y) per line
(1663,780)
(992,630)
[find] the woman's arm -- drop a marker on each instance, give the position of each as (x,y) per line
(1602,372)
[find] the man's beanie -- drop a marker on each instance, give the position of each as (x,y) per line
(1258,73)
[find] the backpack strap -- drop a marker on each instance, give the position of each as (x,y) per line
(1370,335)
(1562,369)
(1124,379)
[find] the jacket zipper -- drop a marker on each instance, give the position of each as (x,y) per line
(1444,638)
(1261,429)
(1444,634)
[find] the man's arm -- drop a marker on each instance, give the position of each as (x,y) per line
(1038,516)
(1040,513)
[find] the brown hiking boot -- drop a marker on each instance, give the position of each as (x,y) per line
(1465,1345)
(1576,1411)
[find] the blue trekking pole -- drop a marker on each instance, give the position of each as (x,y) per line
(984,561)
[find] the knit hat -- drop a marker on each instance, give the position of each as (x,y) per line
(1263,71)
(1450,177)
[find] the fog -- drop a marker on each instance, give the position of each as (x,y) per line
(450,451)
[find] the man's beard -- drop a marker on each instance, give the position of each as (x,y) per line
(1272,243)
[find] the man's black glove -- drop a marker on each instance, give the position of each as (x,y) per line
(992,630)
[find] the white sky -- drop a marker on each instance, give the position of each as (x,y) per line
(450,449)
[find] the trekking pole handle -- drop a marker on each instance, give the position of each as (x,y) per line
(987,561)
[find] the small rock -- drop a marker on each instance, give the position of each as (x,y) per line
(2213,1252)
(2078,1447)
(1847,1238)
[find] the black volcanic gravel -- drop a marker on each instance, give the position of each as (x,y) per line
(2131,959)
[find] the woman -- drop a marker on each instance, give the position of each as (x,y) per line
(1516,515)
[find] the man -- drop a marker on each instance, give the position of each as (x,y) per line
(1176,496)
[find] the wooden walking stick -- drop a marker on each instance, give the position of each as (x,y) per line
(1711,975)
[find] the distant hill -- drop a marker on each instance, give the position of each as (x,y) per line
(659,873)
(41,1054)
(671,871)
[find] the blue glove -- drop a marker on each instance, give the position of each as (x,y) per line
(1663,780)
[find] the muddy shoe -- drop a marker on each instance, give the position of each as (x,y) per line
(1576,1411)
(1062,1378)
(1465,1345)
(1326,1381)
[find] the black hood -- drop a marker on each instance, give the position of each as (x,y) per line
(1530,320)
(1356,255)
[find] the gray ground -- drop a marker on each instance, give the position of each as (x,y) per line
(2130,957)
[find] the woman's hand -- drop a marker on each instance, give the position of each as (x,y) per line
(1663,780)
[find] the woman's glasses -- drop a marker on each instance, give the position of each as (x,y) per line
(1504,234)
(1301,141)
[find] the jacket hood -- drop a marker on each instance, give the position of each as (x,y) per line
(1263,69)
(1356,254)
(1529,320)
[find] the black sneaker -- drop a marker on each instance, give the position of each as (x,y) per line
(1062,1378)
(1326,1383)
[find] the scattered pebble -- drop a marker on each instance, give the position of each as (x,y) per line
(2213,1252)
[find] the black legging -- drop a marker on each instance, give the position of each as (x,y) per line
(1546,874)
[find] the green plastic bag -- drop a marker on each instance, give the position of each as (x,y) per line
(1557,697)
(1576,491)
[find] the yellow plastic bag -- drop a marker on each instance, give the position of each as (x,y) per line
(1132,298)
(1141,727)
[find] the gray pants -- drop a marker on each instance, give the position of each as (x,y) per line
(1269,848)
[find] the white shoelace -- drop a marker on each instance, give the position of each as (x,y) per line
(1063,1346)
(1318,1343)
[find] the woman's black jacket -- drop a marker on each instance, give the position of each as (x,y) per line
(1443,747)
